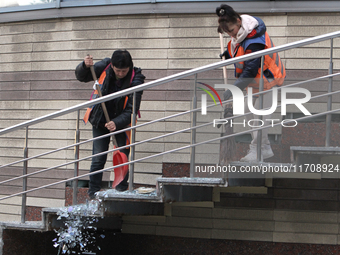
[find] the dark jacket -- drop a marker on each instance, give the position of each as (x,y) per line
(118,114)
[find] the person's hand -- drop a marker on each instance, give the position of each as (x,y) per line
(88,60)
(224,54)
(227,95)
(111,126)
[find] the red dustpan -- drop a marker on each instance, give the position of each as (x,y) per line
(121,171)
(118,156)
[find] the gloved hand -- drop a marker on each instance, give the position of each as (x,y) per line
(224,54)
(227,95)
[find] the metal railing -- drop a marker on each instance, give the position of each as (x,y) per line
(25,125)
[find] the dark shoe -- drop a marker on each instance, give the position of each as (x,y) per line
(92,196)
(121,187)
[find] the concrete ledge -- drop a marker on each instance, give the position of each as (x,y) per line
(192,181)
(28,225)
(113,195)
(315,150)
(298,152)
(322,160)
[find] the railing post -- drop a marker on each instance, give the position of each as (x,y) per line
(76,164)
(259,132)
(193,131)
(58,4)
(329,101)
(24,180)
(133,138)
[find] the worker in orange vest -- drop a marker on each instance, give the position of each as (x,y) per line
(248,34)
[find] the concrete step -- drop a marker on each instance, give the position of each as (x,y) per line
(54,218)
(115,203)
(135,195)
(152,203)
(257,173)
(28,225)
(301,154)
(324,161)
(189,189)
(195,181)
(315,150)
(185,189)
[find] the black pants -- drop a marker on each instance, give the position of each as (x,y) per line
(98,162)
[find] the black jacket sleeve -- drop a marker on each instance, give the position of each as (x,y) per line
(84,74)
(124,119)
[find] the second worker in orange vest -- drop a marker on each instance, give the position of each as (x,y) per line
(248,34)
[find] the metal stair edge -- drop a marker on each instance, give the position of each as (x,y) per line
(192,181)
(316,149)
(28,225)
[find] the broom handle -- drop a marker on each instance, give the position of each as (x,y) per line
(103,103)
(224,67)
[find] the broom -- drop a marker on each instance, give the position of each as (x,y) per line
(227,145)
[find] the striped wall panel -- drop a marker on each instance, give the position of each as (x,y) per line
(38,58)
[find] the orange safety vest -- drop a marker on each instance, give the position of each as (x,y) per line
(94,95)
(272,63)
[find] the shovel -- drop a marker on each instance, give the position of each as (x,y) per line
(118,156)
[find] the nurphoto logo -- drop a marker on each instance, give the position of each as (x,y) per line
(204,97)
(239,104)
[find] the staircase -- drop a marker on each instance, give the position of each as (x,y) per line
(128,212)
(170,190)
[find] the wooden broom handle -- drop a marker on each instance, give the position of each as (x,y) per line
(100,94)
(94,76)
(223,57)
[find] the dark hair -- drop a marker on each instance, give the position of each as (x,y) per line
(121,59)
(226,15)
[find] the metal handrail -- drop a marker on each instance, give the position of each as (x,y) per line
(173,77)
(150,139)
(166,135)
(167,152)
